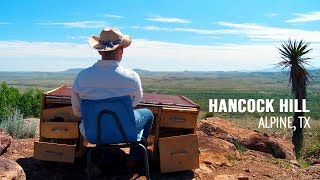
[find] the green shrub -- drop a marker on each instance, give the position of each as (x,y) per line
(240,147)
(312,150)
(287,165)
(29,102)
(11,99)
(209,114)
(304,163)
(17,127)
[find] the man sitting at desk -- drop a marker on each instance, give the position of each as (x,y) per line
(106,79)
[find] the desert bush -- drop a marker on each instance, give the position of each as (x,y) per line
(240,147)
(17,127)
(27,102)
(312,147)
(9,98)
(208,114)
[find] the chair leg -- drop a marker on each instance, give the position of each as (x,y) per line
(89,164)
(144,141)
(146,162)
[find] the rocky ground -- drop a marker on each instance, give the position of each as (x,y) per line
(226,152)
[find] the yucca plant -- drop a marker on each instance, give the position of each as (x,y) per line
(292,54)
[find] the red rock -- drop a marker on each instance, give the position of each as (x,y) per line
(226,130)
(11,170)
(5,141)
(231,177)
(317,161)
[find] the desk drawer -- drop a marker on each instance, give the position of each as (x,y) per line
(64,130)
(179,118)
(59,114)
(178,153)
(54,152)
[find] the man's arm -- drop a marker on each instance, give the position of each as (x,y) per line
(75,100)
(138,94)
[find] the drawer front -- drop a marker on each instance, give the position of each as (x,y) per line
(54,152)
(65,130)
(178,118)
(59,114)
(178,153)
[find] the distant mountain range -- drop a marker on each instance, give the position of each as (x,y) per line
(146,72)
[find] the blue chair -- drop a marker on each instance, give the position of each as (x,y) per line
(110,123)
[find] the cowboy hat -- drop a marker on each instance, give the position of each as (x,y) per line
(109,40)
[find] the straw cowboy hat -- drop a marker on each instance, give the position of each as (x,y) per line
(109,39)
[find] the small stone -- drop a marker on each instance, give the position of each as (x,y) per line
(294,163)
(205,169)
(225,177)
(243,177)
(316,165)
(229,164)
(231,177)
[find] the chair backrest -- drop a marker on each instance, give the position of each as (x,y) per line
(111,110)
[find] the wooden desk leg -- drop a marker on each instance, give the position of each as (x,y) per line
(155,155)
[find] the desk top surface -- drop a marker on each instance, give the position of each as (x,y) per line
(148,98)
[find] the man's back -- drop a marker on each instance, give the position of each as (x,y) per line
(107,79)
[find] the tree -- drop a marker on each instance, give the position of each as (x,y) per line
(9,99)
(27,102)
(292,54)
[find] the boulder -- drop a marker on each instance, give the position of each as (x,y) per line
(226,130)
(215,152)
(11,170)
(5,141)
(214,144)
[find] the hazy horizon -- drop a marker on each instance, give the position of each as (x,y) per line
(256,70)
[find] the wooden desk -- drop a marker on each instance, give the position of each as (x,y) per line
(172,142)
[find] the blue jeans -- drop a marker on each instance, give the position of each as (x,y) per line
(144,119)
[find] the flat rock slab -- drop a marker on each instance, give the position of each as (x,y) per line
(11,170)
(5,141)
(226,130)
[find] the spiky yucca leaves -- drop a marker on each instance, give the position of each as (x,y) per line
(292,53)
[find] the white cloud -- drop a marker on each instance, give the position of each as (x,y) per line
(23,49)
(207,37)
(271,15)
(112,16)
(308,17)
(190,30)
(151,28)
(169,20)
(254,31)
(80,24)
(78,37)
(143,54)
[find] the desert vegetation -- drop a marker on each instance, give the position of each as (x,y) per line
(15,106)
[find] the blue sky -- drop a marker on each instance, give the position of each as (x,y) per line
(167,35)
